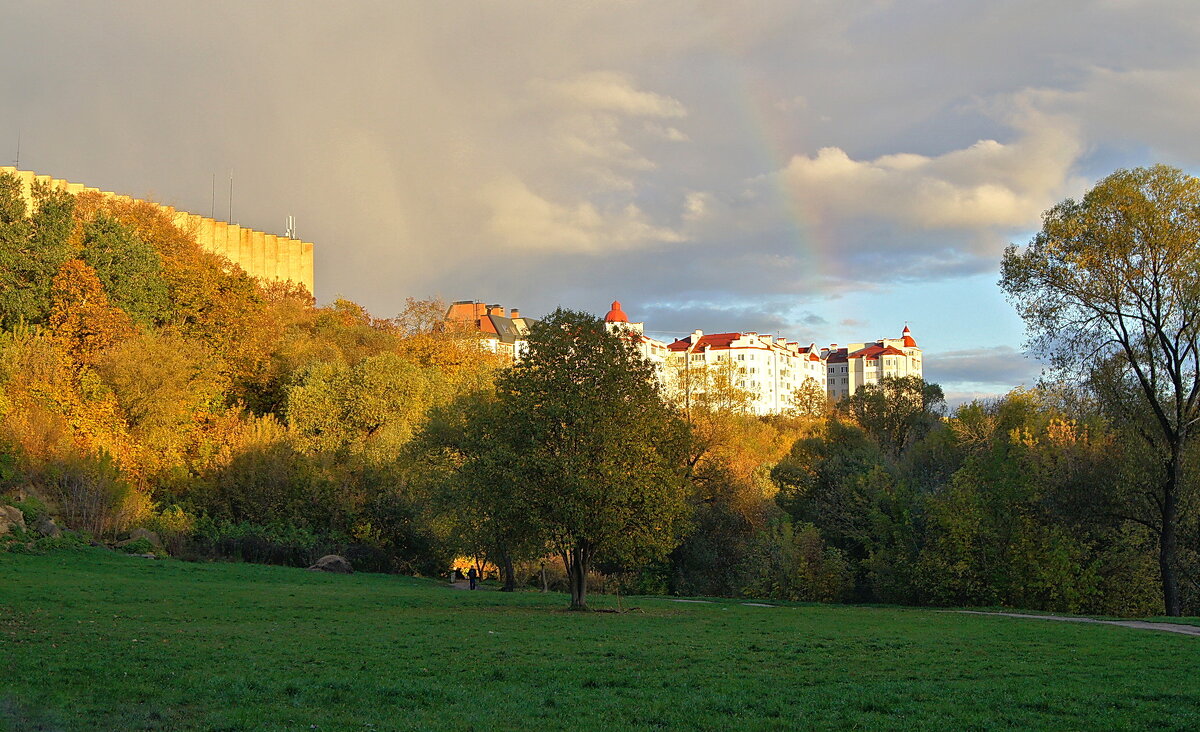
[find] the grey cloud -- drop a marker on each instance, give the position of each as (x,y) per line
(999,365)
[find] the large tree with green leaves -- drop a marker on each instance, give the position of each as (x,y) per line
(587,452)
(897,410)
(1117,275)
(33,245)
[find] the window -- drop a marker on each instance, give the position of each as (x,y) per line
(741,357)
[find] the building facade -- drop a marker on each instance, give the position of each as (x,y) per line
(858,364)
(767,369)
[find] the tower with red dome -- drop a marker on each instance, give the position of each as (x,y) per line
(618,322)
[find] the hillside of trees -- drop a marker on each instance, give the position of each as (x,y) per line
(147,383)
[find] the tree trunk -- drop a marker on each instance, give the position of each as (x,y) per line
(510,581)
(1167,538)
(577,569)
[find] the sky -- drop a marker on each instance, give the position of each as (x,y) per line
(825,171)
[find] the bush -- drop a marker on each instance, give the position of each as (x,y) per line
(174,525)
(93,494)
(138,546)
(291,546)
(25,543)
(793,563)
(33,509)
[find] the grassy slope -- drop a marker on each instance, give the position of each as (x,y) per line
(94,640)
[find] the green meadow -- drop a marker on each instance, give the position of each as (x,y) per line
(93,640)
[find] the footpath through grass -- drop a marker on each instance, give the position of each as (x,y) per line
(93,640)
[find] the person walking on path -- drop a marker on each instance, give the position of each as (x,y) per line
(472,575)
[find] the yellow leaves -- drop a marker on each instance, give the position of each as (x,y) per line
(1061,432)
(81,316)
(1022,436)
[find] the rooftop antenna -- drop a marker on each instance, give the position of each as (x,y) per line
(290,231)
(212,206)
(17,161)
(231,195)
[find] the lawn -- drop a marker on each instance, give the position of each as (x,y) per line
(90,639)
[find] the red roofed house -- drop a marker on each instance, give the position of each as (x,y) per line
(501,334)
(867,363)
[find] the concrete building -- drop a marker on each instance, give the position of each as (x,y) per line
(266,256)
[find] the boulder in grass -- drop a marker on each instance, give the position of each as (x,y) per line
(11,517)
(332,563)
(47,527)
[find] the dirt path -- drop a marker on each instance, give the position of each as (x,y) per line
(1138,624)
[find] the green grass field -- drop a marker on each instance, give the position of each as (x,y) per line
(94,640)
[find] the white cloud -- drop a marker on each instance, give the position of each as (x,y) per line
(989,185)
(525,220)
(673,134)
(1142,107)
(608,91)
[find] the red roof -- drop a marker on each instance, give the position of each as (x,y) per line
(874,350)
(616,315)
(837,356)
(709,340)
(909,341)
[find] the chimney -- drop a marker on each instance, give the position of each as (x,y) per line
(696,336)
(515,314)
(495,310)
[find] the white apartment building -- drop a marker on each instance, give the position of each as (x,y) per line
(866,363)
(767,368)
(770,369)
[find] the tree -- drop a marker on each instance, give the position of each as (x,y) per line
(129,269)
(82,317)
(1118,274)
(897,410)
(33,245)
(588,453)
(810,400)
(368,409)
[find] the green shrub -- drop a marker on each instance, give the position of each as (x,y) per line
(25,543)
(138,546)
(33,509)
(174,525)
